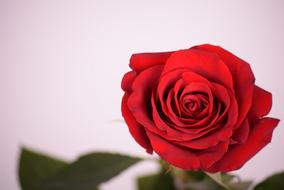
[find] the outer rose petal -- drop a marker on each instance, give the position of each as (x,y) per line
(243,77)
(238,155)
(204,63)
(127,81)
(139,102)
(136,130)
(186,158)
(261,103)
(142,61)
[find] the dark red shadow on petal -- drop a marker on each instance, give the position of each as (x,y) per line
(136,130)
(242,75)
(242,133)
(139,102)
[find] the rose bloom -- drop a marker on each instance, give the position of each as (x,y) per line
(198,108)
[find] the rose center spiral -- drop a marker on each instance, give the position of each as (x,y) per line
(193,104)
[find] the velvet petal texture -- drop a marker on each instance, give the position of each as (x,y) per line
(241,134)
(197,108)
(137,131)
(127,81)
(186,158)
(243,78)
(237,155)
(139,102)
(261,104)
(203,63)
(141,61)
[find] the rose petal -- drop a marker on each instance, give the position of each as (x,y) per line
(190,77)
(186,158)
(136,130)
(139,101)
(261,103)
(193,87)
(237,155)
(177,91)
(208,65)
(172,112)
(166,83)
(142,61)
(166,125)
(127,81)
(142,87)
(169,131)
(242,133)
(210,140)
(243,78)
(230,103)
(160,123)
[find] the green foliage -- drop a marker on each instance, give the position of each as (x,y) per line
(275,182)
(41,172)
(196,175)
(38,171)
(161,181)
(171,178)
(34,167)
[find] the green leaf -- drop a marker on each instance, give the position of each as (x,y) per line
(34,167)
(274,182)
(161,181)
(196,175)
(89,171)
(84,174)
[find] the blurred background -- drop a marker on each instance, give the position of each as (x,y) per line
(61,63)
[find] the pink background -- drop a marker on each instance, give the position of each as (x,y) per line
(61,63)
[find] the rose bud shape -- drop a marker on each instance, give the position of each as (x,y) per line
(198,108)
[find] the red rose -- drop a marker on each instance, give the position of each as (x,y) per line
(198,108)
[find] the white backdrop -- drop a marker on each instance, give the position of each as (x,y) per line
(61,63)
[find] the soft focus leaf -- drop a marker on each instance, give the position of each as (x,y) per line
(40,172)
(89,171)
(275,182)
(35,167)
(196,175)
(160,181)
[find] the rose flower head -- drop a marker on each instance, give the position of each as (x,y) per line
(198,108)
